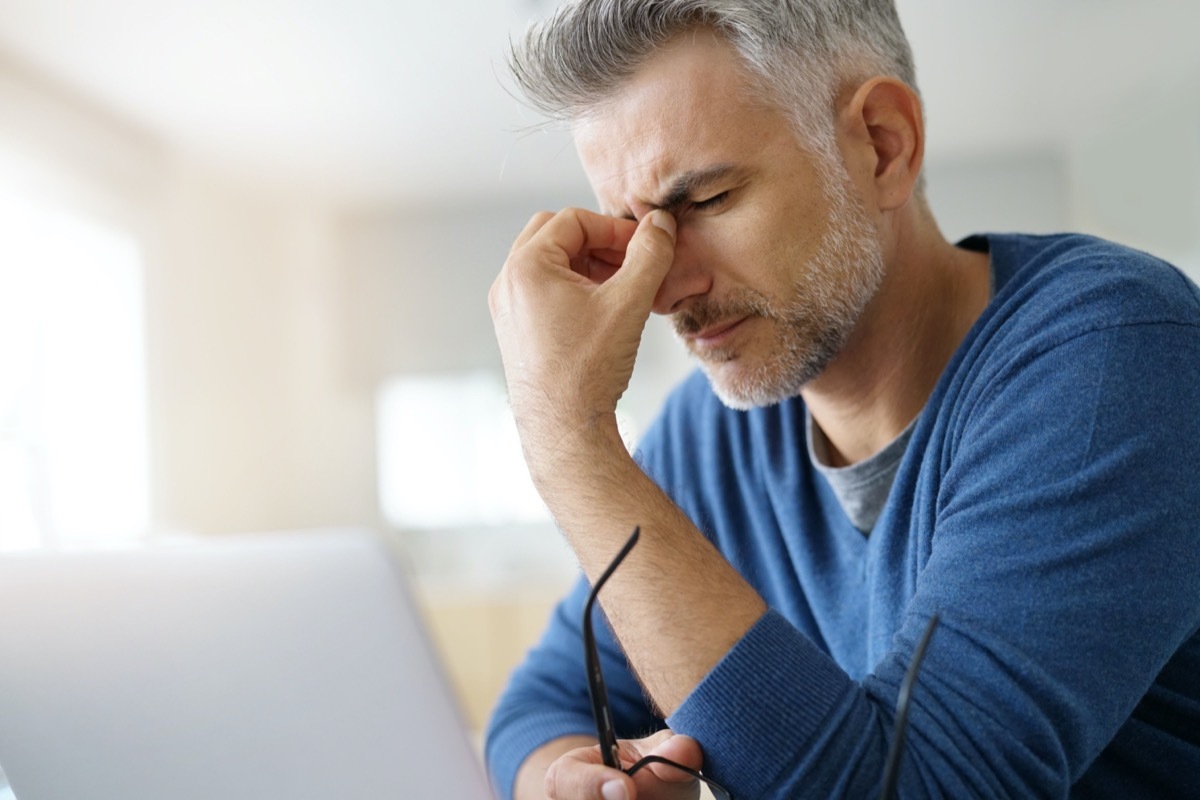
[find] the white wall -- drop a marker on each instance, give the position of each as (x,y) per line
(1002,192)
(257,423)
(1130,173)
(1137,178)
(254,424)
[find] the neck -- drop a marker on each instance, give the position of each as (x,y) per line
(930,296)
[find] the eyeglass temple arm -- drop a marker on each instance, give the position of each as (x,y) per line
(596,689)
(891,770)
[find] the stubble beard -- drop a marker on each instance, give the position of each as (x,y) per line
(811,324)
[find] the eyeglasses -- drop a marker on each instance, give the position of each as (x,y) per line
(599,695)
(602,713)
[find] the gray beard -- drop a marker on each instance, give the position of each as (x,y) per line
(814,323)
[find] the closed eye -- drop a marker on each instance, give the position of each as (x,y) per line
(711,203)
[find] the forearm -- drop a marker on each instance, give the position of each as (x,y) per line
(569,307)
(531,777)
(676,605)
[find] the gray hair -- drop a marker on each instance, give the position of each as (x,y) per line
(798,53)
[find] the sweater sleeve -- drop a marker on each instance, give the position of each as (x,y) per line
(1061,552)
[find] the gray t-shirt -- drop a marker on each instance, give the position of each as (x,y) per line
(862,488)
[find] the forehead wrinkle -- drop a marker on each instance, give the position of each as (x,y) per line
(681,189)
(634,159)
(647,147)
(686,185)
(662,126)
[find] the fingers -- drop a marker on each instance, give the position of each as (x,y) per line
(580,775)
(648,257)
(633,749)
(667,744)
(599,247)
(575,231)
(674,747)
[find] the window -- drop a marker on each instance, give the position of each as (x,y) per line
(449,455)
(73,425)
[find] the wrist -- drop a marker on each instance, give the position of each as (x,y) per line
(562,451)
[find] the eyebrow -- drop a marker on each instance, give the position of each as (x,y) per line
(688,184)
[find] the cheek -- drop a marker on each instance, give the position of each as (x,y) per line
(714,252)
(727,246)
(759,251)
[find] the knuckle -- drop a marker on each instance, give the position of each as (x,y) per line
(657,738)
(631,751)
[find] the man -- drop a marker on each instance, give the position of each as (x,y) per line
(887,427)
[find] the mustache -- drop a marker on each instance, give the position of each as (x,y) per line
(705,313)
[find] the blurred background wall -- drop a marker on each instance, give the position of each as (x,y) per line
(318,196)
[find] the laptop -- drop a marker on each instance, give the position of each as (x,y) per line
(288,666)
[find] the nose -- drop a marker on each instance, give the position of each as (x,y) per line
(687,279)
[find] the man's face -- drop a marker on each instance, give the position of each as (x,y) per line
(775,258)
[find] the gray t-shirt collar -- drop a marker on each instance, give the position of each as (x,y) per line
(862,489)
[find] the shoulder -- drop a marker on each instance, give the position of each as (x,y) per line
(1084,343)
(1081,281)
(1049,291)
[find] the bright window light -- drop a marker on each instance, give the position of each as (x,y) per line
(449,455)
(73,429)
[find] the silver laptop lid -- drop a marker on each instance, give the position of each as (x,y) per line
(289,666)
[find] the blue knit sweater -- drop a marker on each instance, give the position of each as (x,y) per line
(1047,507)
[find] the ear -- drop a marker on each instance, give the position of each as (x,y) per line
(882,135)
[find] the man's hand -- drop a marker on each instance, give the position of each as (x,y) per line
(569,308)
(581,774)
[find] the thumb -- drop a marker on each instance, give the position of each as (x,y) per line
(680,749)
(648,257)
(674,747)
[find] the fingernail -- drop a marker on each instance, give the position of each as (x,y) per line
(662,219)
(614,790)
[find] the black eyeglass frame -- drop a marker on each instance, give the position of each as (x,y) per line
(602,713)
